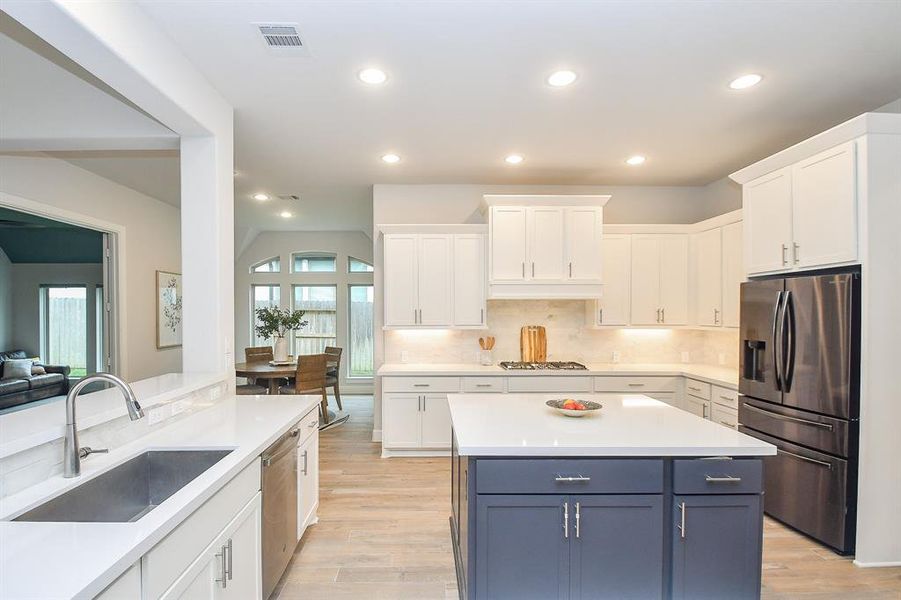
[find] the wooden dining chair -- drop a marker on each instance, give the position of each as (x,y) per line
(333,373)
(254,354)
(310,379)
(258,354)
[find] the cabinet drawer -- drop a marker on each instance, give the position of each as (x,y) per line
(724,396)
(560,383)
(309,424)
(724,415)
(166,561)
(483,384)
(718,476)
(698,389)
(636,384)
(421,384)
(552,476)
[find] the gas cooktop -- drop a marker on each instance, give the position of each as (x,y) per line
(543,366)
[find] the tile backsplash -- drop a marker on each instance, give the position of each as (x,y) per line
(31,466)
(568,338)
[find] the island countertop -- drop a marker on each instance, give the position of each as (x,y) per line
(627,425)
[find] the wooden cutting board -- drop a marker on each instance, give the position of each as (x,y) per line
(533,344)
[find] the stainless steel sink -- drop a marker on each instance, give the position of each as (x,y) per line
(128,492)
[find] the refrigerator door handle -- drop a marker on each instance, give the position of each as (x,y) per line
(788,328)
(776,340)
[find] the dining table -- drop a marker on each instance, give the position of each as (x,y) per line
(274,373)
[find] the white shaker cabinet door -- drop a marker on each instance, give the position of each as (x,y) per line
(401,280)
(546,244)
(508,243)
(768,222)
(709,277)
(824,202)
(584,251)
(614,306)
(435,270)
(696,406)
(203,585)
(673,279)
(307,481)
(400,420)
(245,577)
(645,275)
(469,280)
(436,421)
(733,273)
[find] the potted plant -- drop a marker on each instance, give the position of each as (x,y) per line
(276,323)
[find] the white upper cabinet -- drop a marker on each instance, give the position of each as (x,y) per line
(401,279)
(584,244)
(545,246)
(507,235)
(733,274)
(434,278)
(767,205)
(469,279)
(824,208)
(613,307)
(659,279)
(709,276)
(803,216)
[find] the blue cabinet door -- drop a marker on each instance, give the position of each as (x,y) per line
(617,547)
(522,549)
(717,547)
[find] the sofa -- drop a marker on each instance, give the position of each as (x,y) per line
(14,392)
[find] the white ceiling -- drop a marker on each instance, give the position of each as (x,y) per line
(466,87)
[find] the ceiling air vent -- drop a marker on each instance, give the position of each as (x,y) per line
(291,197)
(281,37)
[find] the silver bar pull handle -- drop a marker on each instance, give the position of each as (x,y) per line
(681,525)
(796,252)
(578,518)
(481,316)
(600,315)
(821,463)
(570,276)
(523,270)
(571,479)
(228,548)
(483,385)
(636,385)
(421,384)
(663,315)
(723,479)
(775,415)
(305,459)
(221,556)
(533,270)
(784,254)
(566,520)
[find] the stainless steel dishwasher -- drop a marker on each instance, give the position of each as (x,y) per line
(279,507)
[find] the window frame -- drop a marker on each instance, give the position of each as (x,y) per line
(312,254)
(275,259)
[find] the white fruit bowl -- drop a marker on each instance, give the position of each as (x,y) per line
(590,407)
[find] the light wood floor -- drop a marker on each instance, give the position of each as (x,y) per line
(383,533)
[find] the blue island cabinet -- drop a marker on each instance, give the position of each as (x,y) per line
(596,528)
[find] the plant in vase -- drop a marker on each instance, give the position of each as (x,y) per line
(276,323)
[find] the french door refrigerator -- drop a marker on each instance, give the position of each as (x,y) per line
(799,387)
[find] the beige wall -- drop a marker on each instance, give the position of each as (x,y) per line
(269,244)
(152,242)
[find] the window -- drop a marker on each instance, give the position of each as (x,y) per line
(64,328)
(272,265)
(314,263)
(319,302)
(360,340)
(355,265)
(262,296)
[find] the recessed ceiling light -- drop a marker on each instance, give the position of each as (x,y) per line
(261,197)
(372,76)
(391,158)
(514,159)
(285,214)
(635,160)
(745,81)
(561,78)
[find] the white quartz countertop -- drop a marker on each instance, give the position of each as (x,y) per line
(78,560)
(627,425)
(722,376)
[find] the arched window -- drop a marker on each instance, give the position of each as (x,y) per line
(355,265)
(313,262)
(270,265)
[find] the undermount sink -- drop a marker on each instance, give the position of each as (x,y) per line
(129,491)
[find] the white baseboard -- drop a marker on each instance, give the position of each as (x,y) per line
(376,435)
(875,565)
(415,453)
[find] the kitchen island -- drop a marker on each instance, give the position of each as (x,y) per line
(637,500)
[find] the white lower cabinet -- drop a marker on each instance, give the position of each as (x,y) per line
(724,415)
(415,421)
(696,406)
(308,473)
(230,567)
(126,587)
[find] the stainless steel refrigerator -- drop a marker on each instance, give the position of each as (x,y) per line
(799,388)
